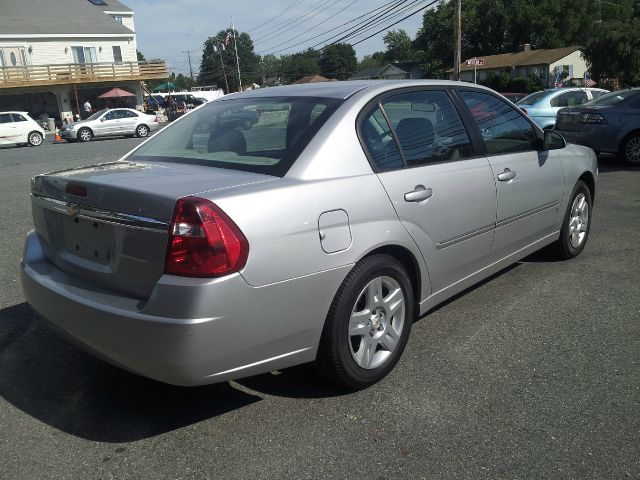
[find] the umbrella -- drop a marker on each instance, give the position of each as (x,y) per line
(163,87)
(117,93)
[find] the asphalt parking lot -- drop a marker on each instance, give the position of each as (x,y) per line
(532,374)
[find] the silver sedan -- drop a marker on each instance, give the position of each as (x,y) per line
(319,233)
(111,123)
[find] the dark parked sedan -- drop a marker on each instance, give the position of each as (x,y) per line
(608,124)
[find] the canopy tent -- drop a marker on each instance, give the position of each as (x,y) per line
(117,93)
(163,87)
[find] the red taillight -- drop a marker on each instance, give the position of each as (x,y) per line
(204,241)
(76,190)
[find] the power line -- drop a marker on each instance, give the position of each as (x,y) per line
(275,16)
(371,14)
(314,11)
(395,23)
(295,37)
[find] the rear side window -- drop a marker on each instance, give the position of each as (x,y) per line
(503,127)
(428,127)
(569,99)
(425,124)
(18,118)
(262,135)
(378,139)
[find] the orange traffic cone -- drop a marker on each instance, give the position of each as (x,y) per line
(57,138)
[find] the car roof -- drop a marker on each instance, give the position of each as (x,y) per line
(17,111)
(340,89)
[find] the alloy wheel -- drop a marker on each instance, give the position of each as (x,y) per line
(579,221)
(35,139)
(376,322)
(143,131)
(632,150)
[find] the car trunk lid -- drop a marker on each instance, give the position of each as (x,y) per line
(108,223)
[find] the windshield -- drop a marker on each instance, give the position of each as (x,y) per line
(613,97)
(532,98)
(97,115)
(262,135)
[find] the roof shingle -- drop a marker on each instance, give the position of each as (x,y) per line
(41,17)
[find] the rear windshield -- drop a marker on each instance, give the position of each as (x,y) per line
(613,97)
(532,98)
(261,135)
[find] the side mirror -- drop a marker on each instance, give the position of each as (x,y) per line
(102,119)
(553,140)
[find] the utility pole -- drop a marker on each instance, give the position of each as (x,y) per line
(224,73)
(188,52)
(457,29)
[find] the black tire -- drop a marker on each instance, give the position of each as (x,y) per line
(335,359)
(563,248)
(34,139)
(85,134)
(630,150)
(142,130)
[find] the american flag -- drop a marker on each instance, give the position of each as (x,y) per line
(228,38)
(558,82)
(588,82)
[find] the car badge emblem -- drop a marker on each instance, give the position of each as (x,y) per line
(73,209)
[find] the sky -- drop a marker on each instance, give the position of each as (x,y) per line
(166,29)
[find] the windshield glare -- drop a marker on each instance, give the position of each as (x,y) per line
(262,135)
(613,97)
(97,115)
(532,98)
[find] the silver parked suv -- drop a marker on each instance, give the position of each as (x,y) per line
(217,250)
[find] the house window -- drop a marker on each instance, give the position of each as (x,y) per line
(84,54)
(118,18)
(117,54)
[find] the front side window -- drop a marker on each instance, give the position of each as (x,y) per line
(262,135)
(428,127)
(5,118)
(503,127)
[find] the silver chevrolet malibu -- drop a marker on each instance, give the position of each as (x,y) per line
(316,232)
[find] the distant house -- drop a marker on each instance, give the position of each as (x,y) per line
(56,55)
(395,71)
(547,64)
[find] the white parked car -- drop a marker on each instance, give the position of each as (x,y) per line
(111,123)
(19,128)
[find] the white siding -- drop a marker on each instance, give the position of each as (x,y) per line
(576,59)
(52,51)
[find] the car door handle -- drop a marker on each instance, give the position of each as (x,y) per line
(418,194)
(506,175)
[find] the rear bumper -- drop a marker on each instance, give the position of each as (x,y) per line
(601,138)
(190,331)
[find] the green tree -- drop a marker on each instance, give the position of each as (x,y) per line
(140,56)
(614,52)
(293,67)
(399,47)
(211,69)
(182,82)
(491,27)
(376,59)
(338,61)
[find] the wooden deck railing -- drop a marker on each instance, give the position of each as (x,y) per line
(36,75)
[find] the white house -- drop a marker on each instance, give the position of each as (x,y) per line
(55,55)
(545,64)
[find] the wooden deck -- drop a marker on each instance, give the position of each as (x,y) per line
(43,75)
